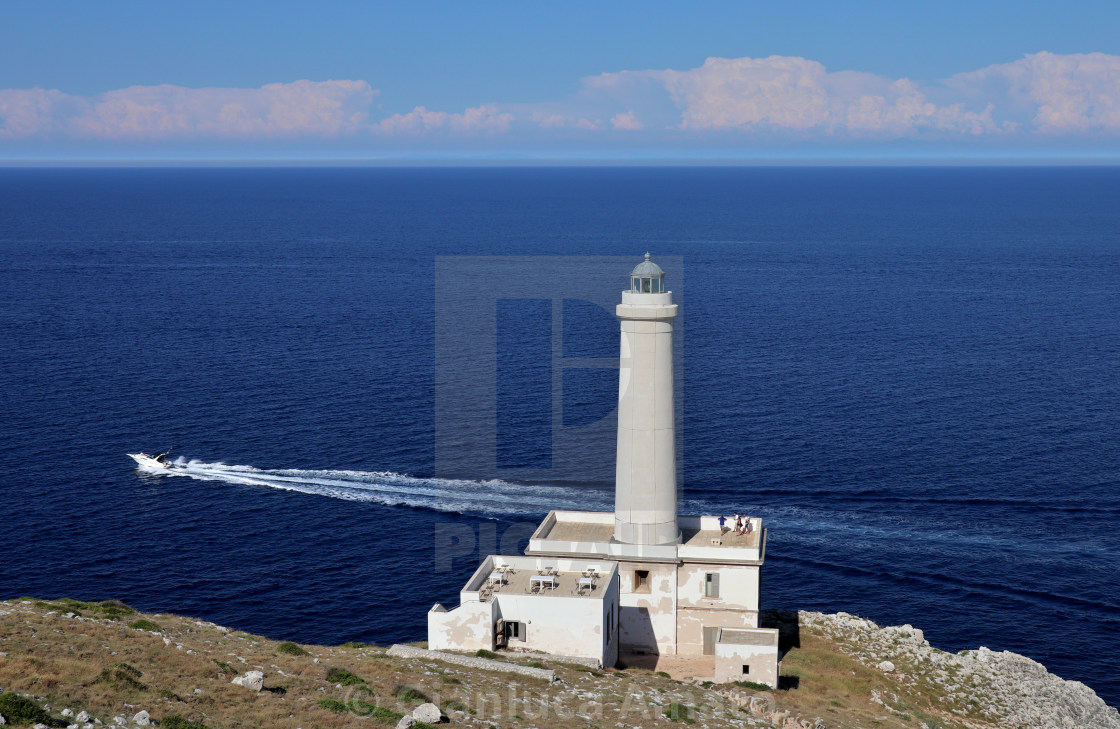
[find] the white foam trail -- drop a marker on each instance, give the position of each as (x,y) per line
(386,487)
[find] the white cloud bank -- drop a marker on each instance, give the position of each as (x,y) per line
(324,108)
(1041,96)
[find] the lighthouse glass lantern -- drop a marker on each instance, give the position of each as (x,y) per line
(647,278)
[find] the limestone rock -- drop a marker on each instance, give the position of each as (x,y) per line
(68,713)
(142,718)
(3,721)
(406,722)
(885,666)
(82,717)
(253,680)
(427,713)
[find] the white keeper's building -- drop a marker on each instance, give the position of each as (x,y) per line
(641,580)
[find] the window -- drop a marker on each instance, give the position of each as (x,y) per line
(515,631)
(641,580)
(711,584)
(746,669)
(610,623)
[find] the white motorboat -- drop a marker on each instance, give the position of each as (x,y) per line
(157,461)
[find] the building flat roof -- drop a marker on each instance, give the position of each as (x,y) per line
(700,535)
(522,576)
(748,636)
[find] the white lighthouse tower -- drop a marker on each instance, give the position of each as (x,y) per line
(645,507)
(644,582)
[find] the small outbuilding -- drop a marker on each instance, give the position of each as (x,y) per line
(566,607)
(749,654)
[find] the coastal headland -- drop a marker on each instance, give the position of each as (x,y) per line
(81,664)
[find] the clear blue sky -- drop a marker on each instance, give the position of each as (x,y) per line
(68,72)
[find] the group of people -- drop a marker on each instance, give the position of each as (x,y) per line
(742,524)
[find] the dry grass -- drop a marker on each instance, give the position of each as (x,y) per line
(837,688)
(107,668)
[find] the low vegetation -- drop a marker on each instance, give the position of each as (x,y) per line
(182,677)
(292,649)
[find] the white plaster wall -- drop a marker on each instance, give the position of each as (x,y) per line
(738,586)
(468,627)
(692,621)
(763,662)
(571,626)
(611,608)
(647,620)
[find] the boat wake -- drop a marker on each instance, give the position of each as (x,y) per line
(385,487)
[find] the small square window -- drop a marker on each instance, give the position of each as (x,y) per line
(746,669)
(641,580)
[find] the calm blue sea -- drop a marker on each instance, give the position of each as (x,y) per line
(910,374)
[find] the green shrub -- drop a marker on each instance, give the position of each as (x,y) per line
(291,649)
(353,644)
(678,712)
(22,710)
(535,664)
(144,624)
(121,676)
(176,721)
(224,666)
(170,695)
(753,685)
(344,677)
(410,695)
(453,705)
(110,609)
(663,674)
(332,704)
(379,713)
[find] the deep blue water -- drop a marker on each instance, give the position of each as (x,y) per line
(911,374)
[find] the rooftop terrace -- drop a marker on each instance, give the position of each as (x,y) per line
(505,575)
(702,538)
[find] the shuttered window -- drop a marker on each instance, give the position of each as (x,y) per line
(711,584)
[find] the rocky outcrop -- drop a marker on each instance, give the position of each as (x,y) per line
(1016,691)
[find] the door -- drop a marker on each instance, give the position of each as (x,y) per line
(711,635)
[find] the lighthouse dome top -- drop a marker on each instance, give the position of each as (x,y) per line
(647,278)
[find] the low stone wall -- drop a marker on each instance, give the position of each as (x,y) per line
(407,651)
(575,660)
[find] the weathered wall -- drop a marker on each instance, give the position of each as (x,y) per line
(469,627)
(692,621)
(762,660)
(570,626)
(738,586)
(647,619)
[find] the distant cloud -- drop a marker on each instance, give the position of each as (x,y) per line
(783,93)
(1068,94)
(627,121)
(27,112)
(548,120)
(486,118)
(1044,97)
